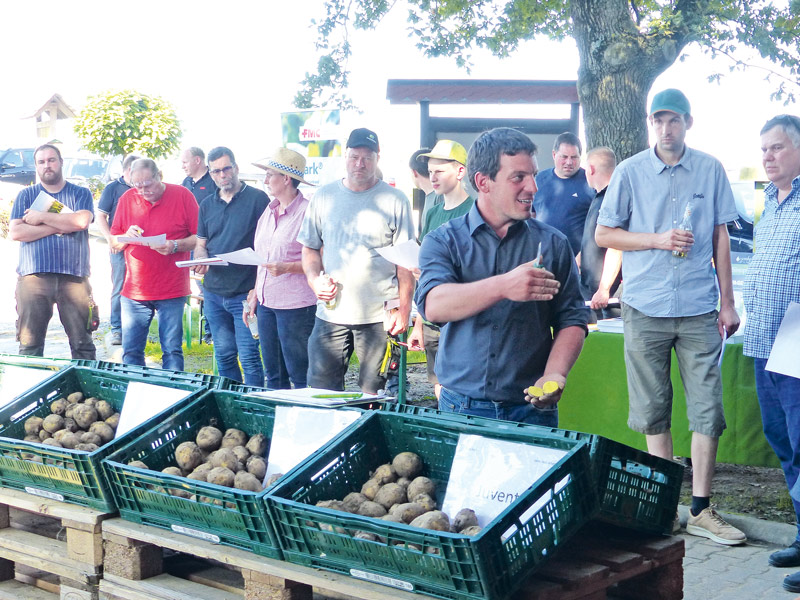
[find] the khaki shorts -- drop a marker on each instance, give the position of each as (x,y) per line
(649,342)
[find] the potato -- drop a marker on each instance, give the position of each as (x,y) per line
(272,479)
(434,519)
(44,434)
(407,464)
(60,434)
(53,423)
(91,401)
(365,535)
(421,485)
(84,415)
(32,438)
(370,488)
(257,467)
(198,475)
(464,518)
(187,456)
(245,481)
(472,530)
(180,493)
(353,500)
(90,437)
(86,447)
(203,468)
(390,494)
(392,518)
(371,509)
(384,474)
(407,511)
(172,471)
(103,430)
(33,425)
(224,457)
(220,476)
(138,464)
(404,481)
(209,438)
(242,453)
(425,501)
(104,409)
(70,424)
(51,442)
(113,421)
(69,439)
(258,444)
(70,410)
(59,407)
(234,437)
(75,397)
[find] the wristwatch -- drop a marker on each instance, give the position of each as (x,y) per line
(174,246)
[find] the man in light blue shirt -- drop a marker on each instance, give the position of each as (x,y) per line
(671,291)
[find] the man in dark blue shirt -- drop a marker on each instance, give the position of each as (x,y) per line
(106,209)
(197,180)
(519,279)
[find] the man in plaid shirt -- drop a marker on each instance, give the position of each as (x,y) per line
(772,283)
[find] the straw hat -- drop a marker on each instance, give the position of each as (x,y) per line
(286,161)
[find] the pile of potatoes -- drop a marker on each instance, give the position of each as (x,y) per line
(397,492)
(229,459)
(76,423)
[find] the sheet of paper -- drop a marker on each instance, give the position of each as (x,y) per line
(44,201)
(724,341)
(245,256)
(318,396)
(144,401)
(405,255)
(201,261)
(611,302)
(152,240)
(15,380)
(786,349)
(489,474)
(299,431)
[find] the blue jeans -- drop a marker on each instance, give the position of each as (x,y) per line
(283,335)
(136,318)
(779,397)
(450,401)
(117,279)
(232,339)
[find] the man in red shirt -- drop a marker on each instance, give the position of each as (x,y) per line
(152,281)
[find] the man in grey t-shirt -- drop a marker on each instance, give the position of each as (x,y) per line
(345,223)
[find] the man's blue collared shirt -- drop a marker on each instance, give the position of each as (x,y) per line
(495,354)
(646,195)
(773,276)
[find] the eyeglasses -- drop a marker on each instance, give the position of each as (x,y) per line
(224,170)
(143,184)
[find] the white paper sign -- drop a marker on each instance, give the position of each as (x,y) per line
(44,201)
(783,357)
(405,255)
(145,240)
(144,401)
(487,474)
(300,431)
(16,380)
(245,256)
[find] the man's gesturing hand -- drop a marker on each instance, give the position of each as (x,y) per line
(526,283)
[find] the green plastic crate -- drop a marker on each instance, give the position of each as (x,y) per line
(636,490)
(249,389)
(43,362)
(223,515)
(167,377)
(72,476)
(489,565)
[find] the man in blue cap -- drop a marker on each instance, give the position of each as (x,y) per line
(671,292)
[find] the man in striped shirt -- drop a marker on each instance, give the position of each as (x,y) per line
(53,257)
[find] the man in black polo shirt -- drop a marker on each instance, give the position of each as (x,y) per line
(198,180)
(227,222)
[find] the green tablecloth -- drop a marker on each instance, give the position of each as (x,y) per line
(596,401)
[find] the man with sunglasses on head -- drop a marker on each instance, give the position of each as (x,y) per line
(227,222)
(153,283)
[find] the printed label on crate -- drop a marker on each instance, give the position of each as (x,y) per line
(382,579)
(44,494)
(203,535)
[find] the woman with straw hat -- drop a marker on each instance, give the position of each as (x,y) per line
(282,300)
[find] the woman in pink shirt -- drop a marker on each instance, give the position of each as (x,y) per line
(282,300)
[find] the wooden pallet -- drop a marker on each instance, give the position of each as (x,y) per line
(49,549)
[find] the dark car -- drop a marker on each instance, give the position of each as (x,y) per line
(17,166)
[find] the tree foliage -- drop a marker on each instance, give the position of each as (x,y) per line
(624,45)
(125,122)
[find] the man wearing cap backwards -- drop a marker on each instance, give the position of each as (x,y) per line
(564,195)
(772,283)
(345,223)
(227,222)
(284,303)
(447,166)
(510,316)
(670,294)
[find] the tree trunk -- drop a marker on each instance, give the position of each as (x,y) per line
(618,66)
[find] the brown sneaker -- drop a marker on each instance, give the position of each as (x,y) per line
(709,524)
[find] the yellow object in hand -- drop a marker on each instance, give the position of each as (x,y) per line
(550,386)
(535,392)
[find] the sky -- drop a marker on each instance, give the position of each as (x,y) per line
(230,68)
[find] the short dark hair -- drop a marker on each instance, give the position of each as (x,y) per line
(129,161)
(45,146)
(568,138)
(790,125)
(419,163)
(219,152)
(195,151)
(485,152)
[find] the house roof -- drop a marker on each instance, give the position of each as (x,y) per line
(64,111)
